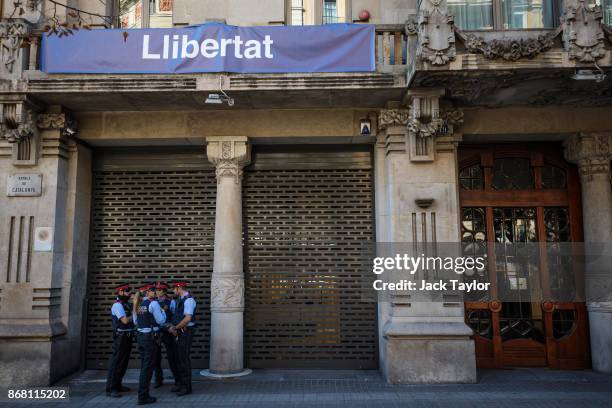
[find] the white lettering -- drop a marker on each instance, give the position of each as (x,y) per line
(267,42)
(252,49)
(189,43)
(145,49)
(224,43)
(237,44)
(210,48)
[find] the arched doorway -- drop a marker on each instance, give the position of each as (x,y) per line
(524,194)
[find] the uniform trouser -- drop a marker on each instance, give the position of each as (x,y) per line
(183,357)
(169,342)
(147,347)
(122,348)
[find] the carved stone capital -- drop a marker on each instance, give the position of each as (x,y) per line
(62,121)
(392,117)
(592,153)
(229,154)
(227,293)
(13,32)
(15,122)
(583,33)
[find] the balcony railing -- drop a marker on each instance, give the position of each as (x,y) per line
(391,46)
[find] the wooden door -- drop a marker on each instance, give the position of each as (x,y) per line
(524,194)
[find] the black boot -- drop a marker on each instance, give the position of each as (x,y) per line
(158,383)
(183,391)
(175,388)
(149,400)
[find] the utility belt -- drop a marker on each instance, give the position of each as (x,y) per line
(126,333)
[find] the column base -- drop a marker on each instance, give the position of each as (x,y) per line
(600,324)
(207,373)
(425,353)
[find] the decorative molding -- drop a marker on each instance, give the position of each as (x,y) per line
(62,121)
(227,293)
(592,152)
(16,122)
(12,34)
(583,34)
(427,123)
(435,30)
(229,154)
(508,49)
(393,117)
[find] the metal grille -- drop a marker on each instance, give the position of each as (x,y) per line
(149,225)
(305,232)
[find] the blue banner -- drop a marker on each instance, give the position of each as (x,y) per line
(213,48)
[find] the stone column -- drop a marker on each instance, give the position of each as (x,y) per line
(416,203)
(229,154)
(592,153)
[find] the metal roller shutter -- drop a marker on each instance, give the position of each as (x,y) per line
(308,216)
(153,218)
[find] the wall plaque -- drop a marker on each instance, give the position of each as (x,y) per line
(24,185)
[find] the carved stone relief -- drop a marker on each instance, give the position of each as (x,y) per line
(509,49)
(583,34)
(392,117)
(12,35)
(436,36)
(15,122)
(227,292)
(229,154)
(592,152)
(63,121)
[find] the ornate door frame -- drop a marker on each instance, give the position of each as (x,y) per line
(565,342)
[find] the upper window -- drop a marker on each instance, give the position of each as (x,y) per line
(309,12)
(607,10)
(512,14)
(145,13)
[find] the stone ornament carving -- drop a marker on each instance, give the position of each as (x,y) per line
(509,49)
(15,122)
(227,293)
(592,153)
(583,33)
(229,154)
(392,117)
(12,35)
(436,35)
(426,120)
(63,121)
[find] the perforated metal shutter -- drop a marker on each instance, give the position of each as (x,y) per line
(308,216)
(153,219)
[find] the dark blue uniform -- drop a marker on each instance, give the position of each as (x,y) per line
(123,335)
(180,307)
(169,342)
(149,317)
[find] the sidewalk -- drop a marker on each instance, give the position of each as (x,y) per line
(517,388)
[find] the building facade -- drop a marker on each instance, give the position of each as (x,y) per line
(488,122)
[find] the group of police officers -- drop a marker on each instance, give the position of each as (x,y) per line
(154,319)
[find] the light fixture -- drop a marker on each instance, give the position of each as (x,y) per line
(589,74)
(220,97)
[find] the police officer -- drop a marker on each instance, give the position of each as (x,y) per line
(123,331)
(148,317)
(167,339)
(183,309)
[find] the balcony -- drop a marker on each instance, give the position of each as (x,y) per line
(512,67)
(187,91)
